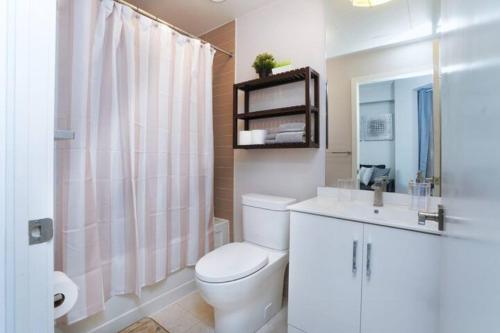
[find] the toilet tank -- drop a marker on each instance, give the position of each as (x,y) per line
(266,220)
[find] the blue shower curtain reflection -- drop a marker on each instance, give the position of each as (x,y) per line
(425,131)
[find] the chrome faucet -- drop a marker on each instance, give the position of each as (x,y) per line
(379,187)
(436,217)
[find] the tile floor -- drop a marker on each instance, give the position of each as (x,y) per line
(192,315)
(145,325)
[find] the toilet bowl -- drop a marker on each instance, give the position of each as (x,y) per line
(243,281)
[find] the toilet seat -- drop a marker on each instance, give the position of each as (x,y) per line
(231,262)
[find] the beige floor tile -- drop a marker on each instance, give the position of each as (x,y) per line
(201,328)
(197,307)
(192,314)
(278,329)
(175,319)
(277,324)
(145,325)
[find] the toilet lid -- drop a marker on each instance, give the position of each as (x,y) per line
(230,262)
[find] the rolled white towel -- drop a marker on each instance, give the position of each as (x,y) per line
(292,127)
(273,130)
(290,137)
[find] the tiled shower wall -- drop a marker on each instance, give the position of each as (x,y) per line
(223,80)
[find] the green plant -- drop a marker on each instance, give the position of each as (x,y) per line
(282,63)
(264,62)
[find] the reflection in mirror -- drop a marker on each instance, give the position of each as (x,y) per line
(395,132)
(383,94)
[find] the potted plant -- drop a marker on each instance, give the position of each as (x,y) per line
(264,64)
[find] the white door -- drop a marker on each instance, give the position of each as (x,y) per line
(325,274)
(400,281)
(470,65)
(27,57)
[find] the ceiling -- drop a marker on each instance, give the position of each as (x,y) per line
(198,16)
(351,29)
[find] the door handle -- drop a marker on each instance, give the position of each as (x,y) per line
(64,135)
(354,256)
(368,259)
(40,231)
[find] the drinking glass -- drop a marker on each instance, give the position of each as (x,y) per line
(344,188)
(420,194)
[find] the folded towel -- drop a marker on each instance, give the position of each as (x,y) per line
(271,136)
(273,130)
(292,127)
(270,142)
(289,137)
(286,128)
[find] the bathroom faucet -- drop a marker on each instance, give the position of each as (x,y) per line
(379,187)
(436,217)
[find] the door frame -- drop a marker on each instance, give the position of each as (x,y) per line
(3,167)
(436,53)
(27,89)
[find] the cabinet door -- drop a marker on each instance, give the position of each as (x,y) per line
(400,281)
(324,286)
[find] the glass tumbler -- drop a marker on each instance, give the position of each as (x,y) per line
(344,189)
(420,194)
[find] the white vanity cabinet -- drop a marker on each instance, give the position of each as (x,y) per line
(351,277)
(324,287)
(401,294)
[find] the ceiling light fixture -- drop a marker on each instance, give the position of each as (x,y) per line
(368,3)
(217,1)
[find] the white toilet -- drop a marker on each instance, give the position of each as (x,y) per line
(244,281)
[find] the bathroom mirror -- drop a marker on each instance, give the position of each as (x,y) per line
(383,94)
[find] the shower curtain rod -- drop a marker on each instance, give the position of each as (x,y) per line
(159,20)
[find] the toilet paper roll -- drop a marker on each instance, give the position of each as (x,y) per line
(259,137)
(65,294)
(245,138)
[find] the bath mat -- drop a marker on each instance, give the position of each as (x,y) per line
(145,325)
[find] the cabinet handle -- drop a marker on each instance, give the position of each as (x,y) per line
(354,256)
(368,259)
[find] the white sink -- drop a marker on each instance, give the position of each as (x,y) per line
(394,213)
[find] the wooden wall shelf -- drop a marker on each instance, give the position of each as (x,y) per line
(276,146)
(310,109)
(287,111)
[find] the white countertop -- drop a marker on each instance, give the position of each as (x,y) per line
(395,213)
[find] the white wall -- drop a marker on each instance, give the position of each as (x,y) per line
(295,30)
(376,92)
(406,128)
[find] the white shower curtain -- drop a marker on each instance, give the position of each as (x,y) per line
(135,188)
